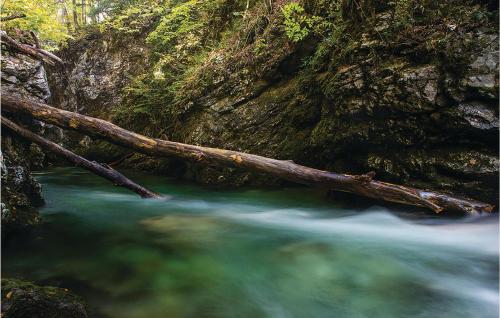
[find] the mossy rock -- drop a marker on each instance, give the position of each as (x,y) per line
(21,299)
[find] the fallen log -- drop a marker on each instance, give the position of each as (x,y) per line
(362,185)
(101,170)
(36,53)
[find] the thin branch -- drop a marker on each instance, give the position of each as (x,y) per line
(12,17)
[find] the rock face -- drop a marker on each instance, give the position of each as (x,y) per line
(100,67)
(21,194)
(22,300)
(414,113)
(24,76)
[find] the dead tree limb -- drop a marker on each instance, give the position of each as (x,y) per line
(13,16)
(34,52)
(46,53)
(364,185)
(51,56)
(35,39)
(94,167)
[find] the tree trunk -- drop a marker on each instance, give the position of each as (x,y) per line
(75,14)
(101,170)
(35,53)
(361,185)
(84,13)
(91,11)
(66,16)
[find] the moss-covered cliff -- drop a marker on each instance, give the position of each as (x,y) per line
(407,89)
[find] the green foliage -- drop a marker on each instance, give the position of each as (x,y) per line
(132,20)
(183,20)
(259,47)
(144,104)
(199,44)
(296,26)
(41,17)
(113,7)
(186,31)
(405,11)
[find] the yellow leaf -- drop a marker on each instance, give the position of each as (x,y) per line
(236,158)
(9,294)
(73,123)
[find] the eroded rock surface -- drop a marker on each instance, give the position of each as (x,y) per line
(21,194)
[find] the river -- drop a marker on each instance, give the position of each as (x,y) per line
(252,253)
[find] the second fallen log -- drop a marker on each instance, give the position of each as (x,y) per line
(94,167)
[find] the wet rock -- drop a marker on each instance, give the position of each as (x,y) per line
(476,115)
(23,76)
(482,77)
(21,194)
(22,299)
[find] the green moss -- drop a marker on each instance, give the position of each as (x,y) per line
(24,299)
(132,20)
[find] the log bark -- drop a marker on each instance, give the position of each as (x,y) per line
(34,52)
(362,185)
(101,170)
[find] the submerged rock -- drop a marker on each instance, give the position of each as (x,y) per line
(22,299)
(187,231)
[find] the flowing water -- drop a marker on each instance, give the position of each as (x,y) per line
(252,253)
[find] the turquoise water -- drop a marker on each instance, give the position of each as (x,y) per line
(252,253)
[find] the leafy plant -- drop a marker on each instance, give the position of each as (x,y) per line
(41,17)
(296,26)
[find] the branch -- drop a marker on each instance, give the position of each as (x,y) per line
(35,39)
(35,53)
(363,185)
(13,16)
(104,171)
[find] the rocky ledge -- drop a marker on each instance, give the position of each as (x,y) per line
(22,299)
